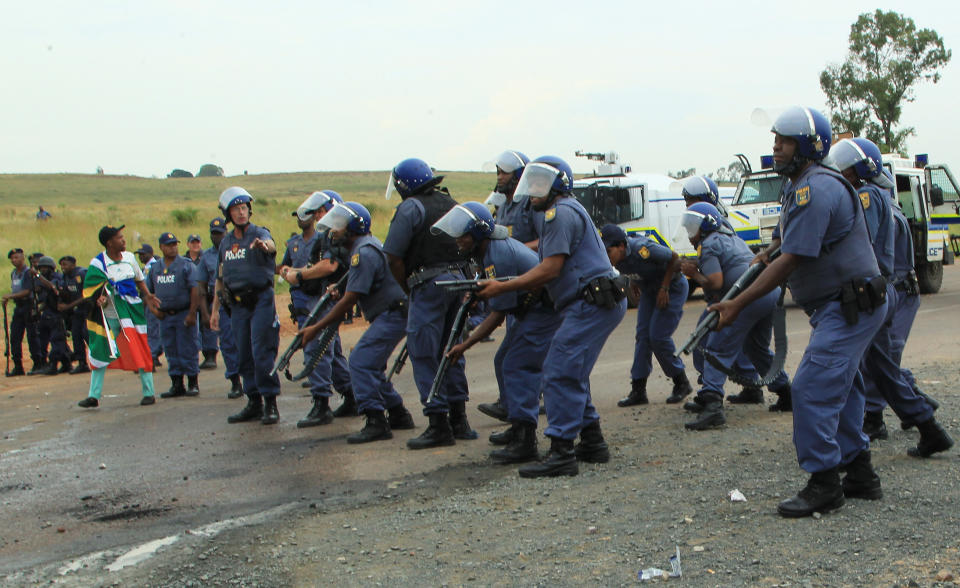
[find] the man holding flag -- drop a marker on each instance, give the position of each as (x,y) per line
(117,325)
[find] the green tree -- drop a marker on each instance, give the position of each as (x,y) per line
(888,57)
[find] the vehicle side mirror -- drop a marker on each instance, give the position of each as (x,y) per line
(936,195)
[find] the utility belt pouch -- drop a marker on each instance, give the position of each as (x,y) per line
(877,292)
(848,303)
(293,312)
(911,286)
(399,304)
(603,292)
(224,296)
(246,298)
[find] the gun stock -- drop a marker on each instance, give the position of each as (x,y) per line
(456,330)
(284,360)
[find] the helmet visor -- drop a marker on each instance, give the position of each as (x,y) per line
(337,218)
(844,154)
(391,187)
(313,203)
(508,162)
(536,181)
(884,179)
(495,198)
(690,223)
(456,222)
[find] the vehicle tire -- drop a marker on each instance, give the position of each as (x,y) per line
(930,277)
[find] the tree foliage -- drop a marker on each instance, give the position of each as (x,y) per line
(209,170)
(888,57)
(731,173)
(683,173)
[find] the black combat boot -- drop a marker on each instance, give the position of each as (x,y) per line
(320,413)
(65,367)
(748,395)
(347,408)
(711,417)
(251,412)
(933,404)
(861,480)
(376,429)
(458,421)
(559,461)
(400,418)
(933,439)
(873,425)
(822,493)
(504,437)
(494,410)
(209,360)
(193,386)
(592,447)
(82,368)
(438,433)
(17,370)
(236,387)
(695,405)
(638,394)
(176,388)
(681,388)
(784,401)
(38,366)
(271,415)
(49,369)
(522,448)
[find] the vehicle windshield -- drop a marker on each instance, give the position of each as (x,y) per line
(606,204)
(759,190)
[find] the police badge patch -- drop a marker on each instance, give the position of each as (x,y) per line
(355,260)
(550,214)
(490,271)
(802,196)
(644,252)
(865,199)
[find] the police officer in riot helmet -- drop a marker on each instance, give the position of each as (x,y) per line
(247,267)
(517,217)
(417,259)
(829,264)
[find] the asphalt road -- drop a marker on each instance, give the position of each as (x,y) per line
(75,481)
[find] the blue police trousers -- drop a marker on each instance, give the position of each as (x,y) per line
(368,362)
(655,328)
(153,335)
(574,350)
(180,344)
(256,331)
(332,369)
(828,395)
(521,357)
(228,345)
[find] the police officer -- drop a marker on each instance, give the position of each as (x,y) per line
(418,258)
(703,189)
(208,338)
(25,315)
(663,291)
(247,266)
(860,162)
(580,280)
(530,325)
(173,281)
(206,282)
(310,264)
(75,309)
(50,329)
(383,302)
(148,259)
(829,265)
(722,259)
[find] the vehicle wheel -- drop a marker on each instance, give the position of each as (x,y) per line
(930,277)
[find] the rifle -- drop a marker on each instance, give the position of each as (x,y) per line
(6,338)
(456,330)
(709,322)
(468,285)
(399,362)
(284,360)
(323,342)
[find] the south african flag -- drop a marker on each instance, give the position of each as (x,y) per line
(117,333)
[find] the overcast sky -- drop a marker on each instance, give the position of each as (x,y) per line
(144,87)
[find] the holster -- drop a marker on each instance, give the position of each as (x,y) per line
(862,295)
(908,285)
(603,292)
(224,297)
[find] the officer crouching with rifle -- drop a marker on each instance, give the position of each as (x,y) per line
(369,282)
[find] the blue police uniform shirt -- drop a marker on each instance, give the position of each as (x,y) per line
(244,268)
(172,283)
(72,284)
(48,298)
(207,268)
(729,254)
(518,217)
(902,244)
(817,215)
(503,258)
(370,277)
(298,252)
(20,281)
(879,219)
(647,260)
(407,222)
(567,230)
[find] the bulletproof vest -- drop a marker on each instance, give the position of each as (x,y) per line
(883,240)
(72,286)
(425,248)
(244,268)
(384,290)
(17,285)
(587,261)
(170,283)
(818,280)
(518,218)
(902,245)
(323,246)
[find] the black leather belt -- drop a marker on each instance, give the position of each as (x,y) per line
(173,311)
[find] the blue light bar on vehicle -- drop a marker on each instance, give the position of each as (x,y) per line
(766,162)
(921,160)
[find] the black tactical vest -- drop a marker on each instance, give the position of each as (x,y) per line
(427,249)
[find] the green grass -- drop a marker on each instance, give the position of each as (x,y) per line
(81,204)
